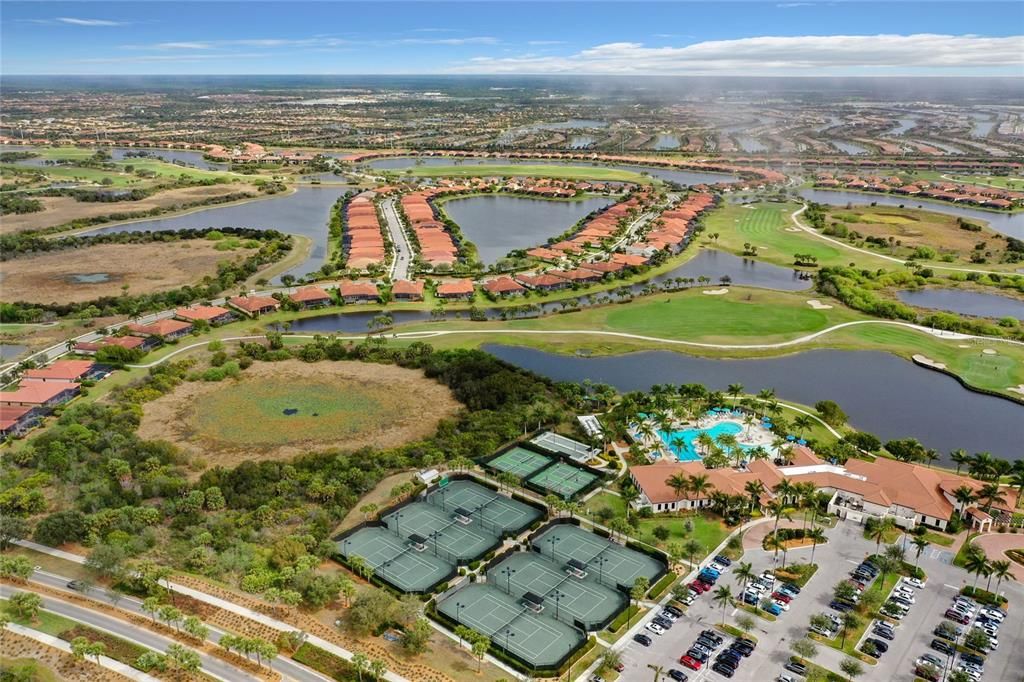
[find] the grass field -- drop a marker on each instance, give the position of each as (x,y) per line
(709,532)
(1002,181)
(346,405)
(534,171)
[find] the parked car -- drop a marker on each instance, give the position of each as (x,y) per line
(943,646)
(930,659)
(928,673)
(791,587)
(751,598)
(677,675)
(774,609)
(713,636)
(691,663)
(840,606)
(724,669)
(724,560)
(678,613)
(957,617)
(663,623)
(824,632)
(796,667)
(641,638)
(884,634)
(879,644)
(972,659)
(744,646)
(778,596)
(668,615)
(698,655)
(655,628)
(914,582)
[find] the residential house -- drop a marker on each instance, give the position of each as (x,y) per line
(211,314)
(359,292)
(167,329)
(254,306)
(311,297)
(504,286)
(16,421)
(61,371)
(40,394)
(130,342)
(407,290)
(460,288)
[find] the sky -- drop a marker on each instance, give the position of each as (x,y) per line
(844,38)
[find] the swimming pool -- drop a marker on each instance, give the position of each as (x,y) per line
(688,452)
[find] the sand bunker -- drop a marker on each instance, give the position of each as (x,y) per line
(818,305)
(716,292)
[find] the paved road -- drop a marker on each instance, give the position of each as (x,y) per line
(401,263)
(211,665)
(285,666)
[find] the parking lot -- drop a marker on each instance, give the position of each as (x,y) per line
(845,549)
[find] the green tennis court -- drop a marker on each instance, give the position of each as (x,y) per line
(562,479)
(537,639)
(566,597)
(607,561)
(395,560)
(453,540)
(496,513)
(520,462)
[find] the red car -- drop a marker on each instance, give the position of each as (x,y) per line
(700,587)
(781,597)
(957,616)
(691,663)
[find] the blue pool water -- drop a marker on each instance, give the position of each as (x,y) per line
(688,453)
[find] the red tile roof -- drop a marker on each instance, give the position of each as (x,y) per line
(161,327)
(252,304)
(503,285)
(407,287)
(363,289)
(460,287)
(310,294)
(61,370)
(35,392)
(9,415)
(201,312)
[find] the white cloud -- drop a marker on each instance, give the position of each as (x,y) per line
(162,58)
(89,22)
(316,42)
(545,42)
(775,55)
(787,5)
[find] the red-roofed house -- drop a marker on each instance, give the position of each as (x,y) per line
(166,329)
(311,297)
(40,394)
(358,292)
(460,288)
(504,286)
(211,314)
(90,347)
(15,421)
(407,290)
(62,371)
(254,306)
(543,282)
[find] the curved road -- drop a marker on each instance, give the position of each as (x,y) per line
(287,668)
(211,665)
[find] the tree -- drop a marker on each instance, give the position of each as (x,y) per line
(369,611)
(80,647)
(744,573)
(1001,571)
(880,530)
(170,615)
(976,639)
(150,661)
(151,605)
(12,528)
(991,495)
(637,592)
(610,660)
(805,648)
(106,560)
(920,544)
(848,621)
(195,628)
(661,532)
(416,635)
(480,648)
(15,566)
(692,547)
(183,658)
(976,563)
(361,663)
(817,535)
(745,622)
(723,596)
(830,413)
(25,605)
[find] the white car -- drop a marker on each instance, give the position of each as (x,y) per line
(970,672)
(824,632)
(757,587)
(905,596)
(989,630)
(994,614)
(914,582)
(781,604)
(655,628)
(688,599)
(715,566)
(668,616)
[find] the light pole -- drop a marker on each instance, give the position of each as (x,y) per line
(552,541)
(508,633)
(397,517)
(508,571)
(601,560)
(557,597)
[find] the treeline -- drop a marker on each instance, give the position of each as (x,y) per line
(274,246)
(18,203)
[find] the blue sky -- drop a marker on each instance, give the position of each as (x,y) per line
(724,38)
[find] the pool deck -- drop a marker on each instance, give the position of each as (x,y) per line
(748,436)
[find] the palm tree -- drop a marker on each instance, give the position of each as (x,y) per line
(960,458)
(784,490)
(706,442)
(807,494)
(754,489)
(679,484)
(723,596)
(734,390)
(802,423)
(880,530)
(964,496)
(976,563)
(691,547)
(816,535)
(744,572)
(1001,571)
(777,509)
(982,465)
(699,484)
(728,442)
(849,622)
(991,494)
(920,544)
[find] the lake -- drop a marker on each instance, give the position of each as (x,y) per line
(304,212)
(750,144)
(714,264)
(903,125)
(974,303)
(666,141)
(189,158)
(1011,224)
(499,224)
(848,147)
(682,177)
(881,393)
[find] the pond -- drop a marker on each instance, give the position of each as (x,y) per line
(903,125)
(666,141)
(983,124)
(715,264)
(304,212)
(581,141)
(848,147)
(129,154)
(499,224)
(1010,224)
(750,144)
(682,177)
(88,278)
(974,303)
(881,393)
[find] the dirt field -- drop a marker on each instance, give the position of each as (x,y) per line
(281,409)
(145,268)
(60,210)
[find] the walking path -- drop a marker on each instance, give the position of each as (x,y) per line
(103,661)
(223,604)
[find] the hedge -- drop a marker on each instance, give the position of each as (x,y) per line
(662,585)
(316,658)
(621,619)
(983,596)
(116,648)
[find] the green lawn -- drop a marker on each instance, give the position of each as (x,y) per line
(50,623)
(535,171)
(709,532)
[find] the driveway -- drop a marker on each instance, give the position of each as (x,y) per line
(995,544)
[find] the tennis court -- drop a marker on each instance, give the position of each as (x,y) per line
(394,559)
(539,640)
(566,597)
(449,538)
(496,513)
(520,462)
(607,561)
(562,479)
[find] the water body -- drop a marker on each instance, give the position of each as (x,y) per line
(848,147)
(129,154)
(10,351)
(304,212)
(89,278)
(831,123)
(715,264)
(983,124)
(964,302)
(944,146)
(880,392)
(903,125)
(666,141)
(571,124)
(750,144)
(499,224)
(682,177)
(581,141)
(1010,224)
